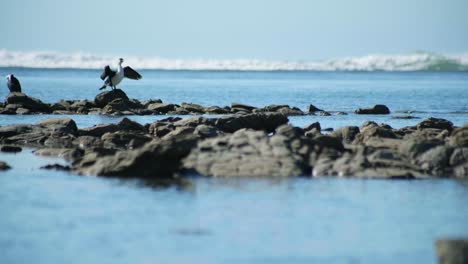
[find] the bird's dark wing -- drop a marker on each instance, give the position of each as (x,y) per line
(14,85)
(131,73)
(107,73)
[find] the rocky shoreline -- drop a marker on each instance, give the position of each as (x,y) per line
(116,102)
(260,144)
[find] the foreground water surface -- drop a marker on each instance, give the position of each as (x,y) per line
(56,217)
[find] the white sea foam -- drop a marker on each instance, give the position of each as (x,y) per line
(420,61)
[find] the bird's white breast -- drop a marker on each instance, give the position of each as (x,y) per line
(118,77)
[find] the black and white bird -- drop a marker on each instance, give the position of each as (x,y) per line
(112,78)
(13,84)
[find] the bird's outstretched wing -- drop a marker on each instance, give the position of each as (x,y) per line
(107,73)
(131,73)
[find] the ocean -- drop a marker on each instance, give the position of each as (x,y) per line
(56,217)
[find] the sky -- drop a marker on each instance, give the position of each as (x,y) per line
(236,29)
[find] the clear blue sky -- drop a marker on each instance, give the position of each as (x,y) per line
(263,29)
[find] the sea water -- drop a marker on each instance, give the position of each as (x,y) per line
(57,217)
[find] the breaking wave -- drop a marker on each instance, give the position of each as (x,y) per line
(419,61)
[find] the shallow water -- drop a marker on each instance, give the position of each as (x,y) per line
(56,217)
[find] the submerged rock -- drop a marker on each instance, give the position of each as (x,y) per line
(11,149)
(4,166)
(375,110)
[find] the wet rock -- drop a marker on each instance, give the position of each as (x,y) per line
(461,171)
(405,117)
(56,166)
(23,111)
(106,97)
(346,134)
(129,125)
(146,103)
(65,153)
(375,110)
(452,251)
(260,121)
(370,131)
(27,102)
(161,107)
(216,110)
(86,142)
(115,105)
(312,109)
(11,149)
(157,159)
(274,108)
(193,122)
(58,140)
(290,111)
(65,125)
(437,123)
(323,113)
(98,130)
(124,140)
(436,160)
(193,108)
(415,147)
(459,156)
(19,130)
(4,166)
(315,125)
(206,131)
(247,153)
(459,137)
(236,107)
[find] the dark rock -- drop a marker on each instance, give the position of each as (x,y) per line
(11,149)
(452,251)
(248,153)
(376,110)
(459,156)
(66,125)
(346,134)
(206,131)
(323,113)
(56,166)
(437,123)
(157,159)
(436,160)
(98,130)
(115,105)
(415,147)
(315,125)
(274,108)
(106,97)
(13,130)
(161,108)
(370,131)
(146,103)
(66,153)
(129,125)
(260,121)
(459,137)
(290,111)
(4,166)
(193,108)
(405,117)
(216,110)
(124,140)
(30,103)
(461,171)
(236,107)
(312,109)
(86,142)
